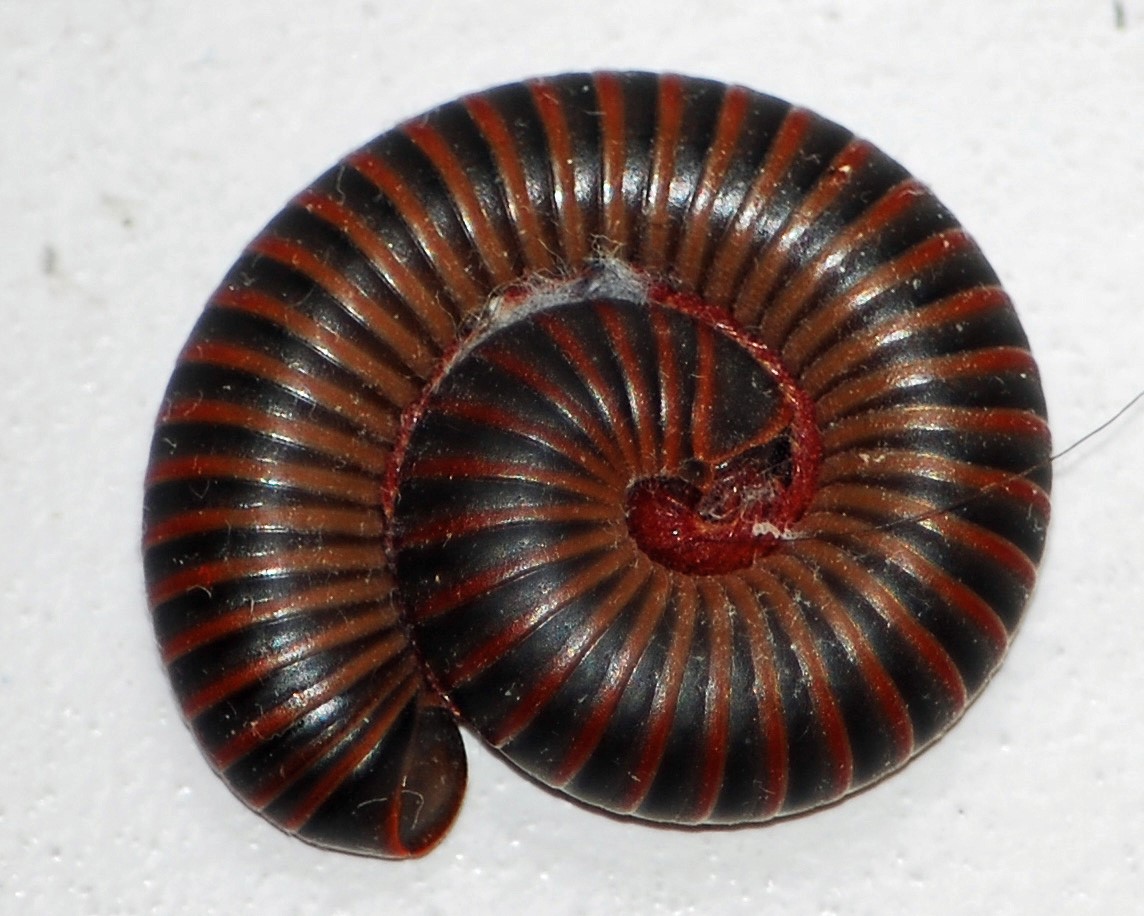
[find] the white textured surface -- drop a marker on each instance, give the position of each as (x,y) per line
(144,142)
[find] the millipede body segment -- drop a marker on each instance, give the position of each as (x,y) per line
(674,440)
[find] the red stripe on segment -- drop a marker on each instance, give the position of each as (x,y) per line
(717,700)
(986,543)
(889,606)
(532,374)
(414,350)
(742,238)
(335,772)
(479,225)
(262,668)
(705,395)
(1017,423)
(490,415)
(531,237)
(885,464)
(642,421)
(392,384)
(857,393)
(620,668)
(314,437)
(204,576)
(787,303)
(929,650)
(891,705)
(696,233)
(468,666)
(602,392)
(818,329)
(893,507)
(272,474)
(369,593)
(613,152)
(449,598)
(450,265)
(768,697)
(661,715)
(775,595)
(276,720)
(761,283)
(656,229)
(671,404)
(435,318)
(870,427)
(850,353)
(957,595)
(565,661)
(371,419)
(575,246)
(465,523)
(577,484)
(354,522)
(306,759)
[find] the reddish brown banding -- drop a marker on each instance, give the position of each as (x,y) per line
(671,438)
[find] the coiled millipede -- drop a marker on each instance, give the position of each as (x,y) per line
(677,442)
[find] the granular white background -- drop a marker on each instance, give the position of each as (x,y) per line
(143,143)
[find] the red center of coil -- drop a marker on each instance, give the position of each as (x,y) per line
(720,512)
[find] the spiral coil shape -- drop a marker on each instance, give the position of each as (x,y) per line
(675,440)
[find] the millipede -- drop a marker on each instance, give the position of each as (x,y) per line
(669,437)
